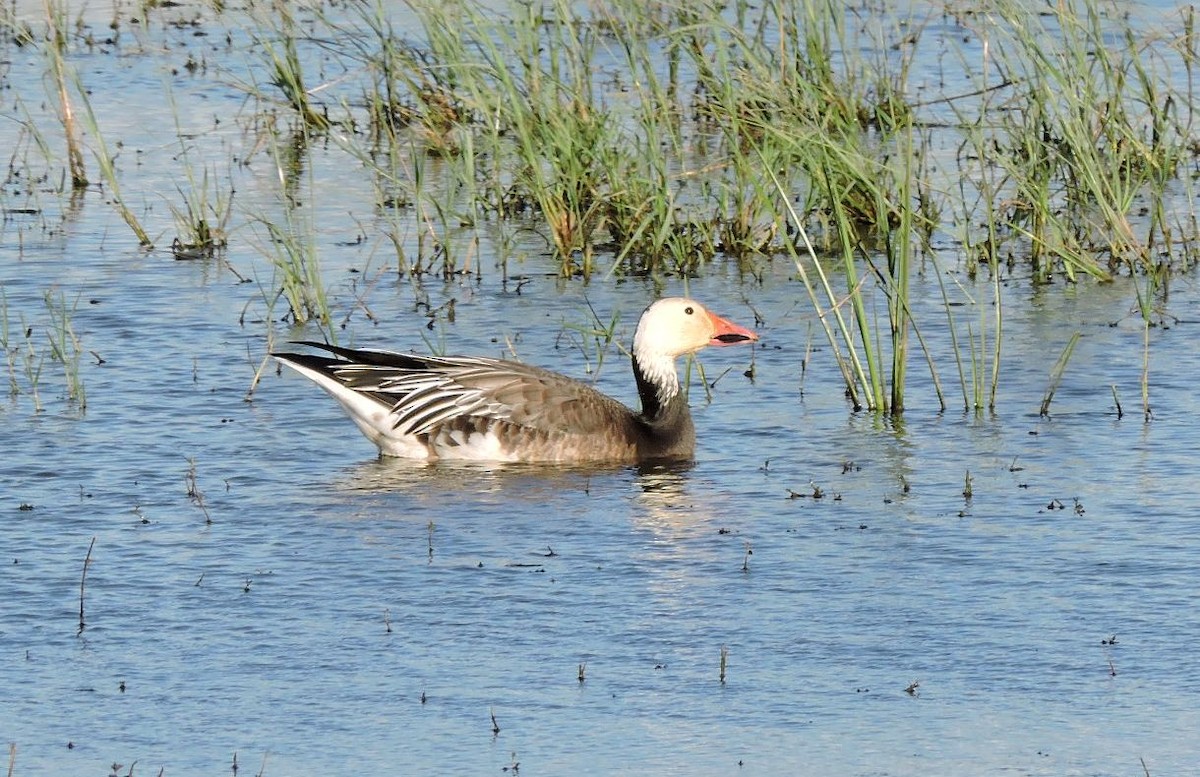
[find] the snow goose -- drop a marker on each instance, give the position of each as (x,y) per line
(475,408)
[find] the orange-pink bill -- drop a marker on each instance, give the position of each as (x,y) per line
(728,333)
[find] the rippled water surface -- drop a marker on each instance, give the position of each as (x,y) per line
(320,611)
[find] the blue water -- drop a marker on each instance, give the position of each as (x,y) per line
(326,612)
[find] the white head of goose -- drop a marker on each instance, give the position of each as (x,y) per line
(474,408)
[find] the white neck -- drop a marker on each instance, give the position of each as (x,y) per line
(660,371)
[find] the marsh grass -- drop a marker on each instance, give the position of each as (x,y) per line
(12,352)
(106,162)
(1056,374)
(202,222)
(291,250)
(1092,132)
(31,166)
(290,244)
(65,347)
(25,355)
(66,80)
(32,361)
(528,87)
(594,339)
(670,139)
(547,122)
(286,71)
(56,45)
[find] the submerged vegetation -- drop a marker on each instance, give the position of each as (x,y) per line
(861,145)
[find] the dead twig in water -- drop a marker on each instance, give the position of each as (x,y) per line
(262,367)
(193,491)
(87,562)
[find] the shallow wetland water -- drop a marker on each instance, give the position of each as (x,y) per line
(815,595)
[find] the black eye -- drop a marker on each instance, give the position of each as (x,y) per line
(688,310)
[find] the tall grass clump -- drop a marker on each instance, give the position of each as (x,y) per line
(1083,153)
(56,46)
(411,94)
(289,244)
(297,270)
(513,106)
(202,222)
(1093,132)
(539,93)
(65,80)
(846,127)
(285,69)
(25,357)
